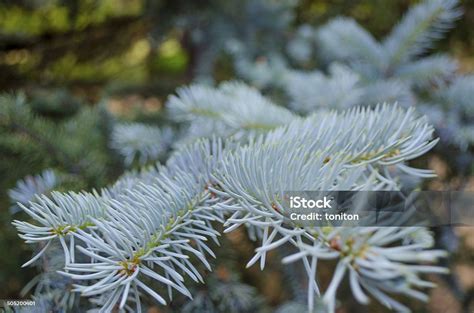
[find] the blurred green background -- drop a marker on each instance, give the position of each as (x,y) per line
(89,45)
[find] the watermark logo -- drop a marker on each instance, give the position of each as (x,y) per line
(378,208)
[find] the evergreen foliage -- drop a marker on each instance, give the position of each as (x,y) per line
(143,231)
(354,123)
(356,69)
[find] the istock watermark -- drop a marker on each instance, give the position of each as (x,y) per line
(378,208)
